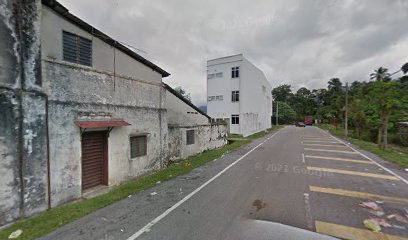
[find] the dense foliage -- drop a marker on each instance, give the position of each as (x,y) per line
(374,106)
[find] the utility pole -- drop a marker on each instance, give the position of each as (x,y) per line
(346,122)
(277,112)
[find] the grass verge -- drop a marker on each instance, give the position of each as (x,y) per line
(393,154)
(264,133)
(54,218)
(233,135)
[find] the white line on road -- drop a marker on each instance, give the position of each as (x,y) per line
(168,211)
(308,209)
(303,158)
(368,158)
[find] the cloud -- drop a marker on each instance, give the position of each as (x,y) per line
(297,42)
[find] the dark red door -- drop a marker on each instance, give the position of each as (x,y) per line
(94,159)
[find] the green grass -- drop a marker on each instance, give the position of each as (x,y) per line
(233,135)
(395,154)
(263,133)
(54,218)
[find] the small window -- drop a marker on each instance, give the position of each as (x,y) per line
(235,72)
(138,146)
(190,137)
(218,75)
(76,49)
(210,76)
(235,96)
(234,119)
(219,97)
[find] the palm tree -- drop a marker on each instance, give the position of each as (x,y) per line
(381,74)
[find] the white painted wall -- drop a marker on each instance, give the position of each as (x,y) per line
(102,53)
(223,86)
(206,137)
(255,103)
(180,113)
(74,91)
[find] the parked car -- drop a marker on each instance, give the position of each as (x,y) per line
(300,124)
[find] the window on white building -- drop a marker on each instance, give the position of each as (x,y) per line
(235,72)
(235,96)
(220,98)
(235,119)
(218,75)
(210,76)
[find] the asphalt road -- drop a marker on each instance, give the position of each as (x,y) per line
(275,188)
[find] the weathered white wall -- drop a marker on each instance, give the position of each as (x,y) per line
(23,128)
(178,112)
(182,117)
(255,100)
(134,93)
(102,53)
(209,136)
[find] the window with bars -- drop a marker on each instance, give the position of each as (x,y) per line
(138,146)
(235,119)
(190,137)
(235,72)
(235,96)
(76,49)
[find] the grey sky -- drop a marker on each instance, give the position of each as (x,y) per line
(302,43)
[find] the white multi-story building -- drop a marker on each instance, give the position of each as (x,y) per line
(238,92)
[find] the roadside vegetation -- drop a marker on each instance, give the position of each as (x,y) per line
(374,108)
(54,218)
(394,153)
(233,135)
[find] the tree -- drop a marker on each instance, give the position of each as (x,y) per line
(286,114)
(388,98)
(380,74)
(183,93)
(282,93)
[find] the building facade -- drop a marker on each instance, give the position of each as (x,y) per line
(81,112)
(238,93)
(190,131)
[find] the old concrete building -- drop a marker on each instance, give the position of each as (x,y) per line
(81,112)
(190,130)
(106,114)
(23,117)
(239,93)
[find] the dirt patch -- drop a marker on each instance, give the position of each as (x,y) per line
(258,204)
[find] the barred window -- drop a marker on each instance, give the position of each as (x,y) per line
(76,49)
(190,137)
(138,146)
(234,119)
(235,96)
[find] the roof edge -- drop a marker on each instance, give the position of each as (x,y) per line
(235,55)
(64,12)
(170,89)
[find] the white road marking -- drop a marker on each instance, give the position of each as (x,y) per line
(366,157)
(148,226)
(308,209)
(303,158)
